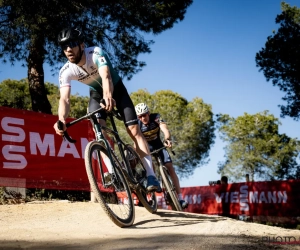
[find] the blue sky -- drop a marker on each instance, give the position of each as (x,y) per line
(211,55)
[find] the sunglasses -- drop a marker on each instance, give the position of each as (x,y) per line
(70,44)
(143,115)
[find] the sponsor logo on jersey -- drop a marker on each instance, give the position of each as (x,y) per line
(64,68)
(151,134)
(95,52)
(102,60)
(80,75)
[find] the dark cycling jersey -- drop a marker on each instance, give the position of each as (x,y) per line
(89,75)
(151,132)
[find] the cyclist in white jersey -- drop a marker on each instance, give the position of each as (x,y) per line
(91,66)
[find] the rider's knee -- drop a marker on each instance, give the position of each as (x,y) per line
(134,130)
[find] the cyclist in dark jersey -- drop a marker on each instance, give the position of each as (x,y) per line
(151,125)
(91,66)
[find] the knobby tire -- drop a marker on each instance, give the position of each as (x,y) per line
(115,200)
(170,189)
(148,199)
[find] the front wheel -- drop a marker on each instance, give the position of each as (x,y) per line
(170,190)
(111,190)
(138,172)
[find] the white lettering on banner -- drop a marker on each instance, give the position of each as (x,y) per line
(68,148)
(45,145)
(244,206)
(234,197)
(193,199)
(244,197)
(20,137)
(282,196)
(17,161)
(219,198)
(253,197)
(272,198)
(36,142)
(84,142)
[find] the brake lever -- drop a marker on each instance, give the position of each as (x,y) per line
(65,136)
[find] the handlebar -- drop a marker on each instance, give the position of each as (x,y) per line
(60,126)
(66,136)
(157,150)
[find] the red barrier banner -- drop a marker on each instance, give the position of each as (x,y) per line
(33,156)
(270,198)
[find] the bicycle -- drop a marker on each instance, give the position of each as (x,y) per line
(168,188)
(114,193)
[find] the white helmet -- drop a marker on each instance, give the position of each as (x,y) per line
(141,108)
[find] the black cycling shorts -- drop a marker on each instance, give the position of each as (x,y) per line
(162,154)
(123,103)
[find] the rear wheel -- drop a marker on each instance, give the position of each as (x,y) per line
(112,192)
(170,191)
(139,174)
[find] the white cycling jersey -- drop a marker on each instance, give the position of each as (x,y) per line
(88,73)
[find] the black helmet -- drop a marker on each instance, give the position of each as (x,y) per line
(68,35)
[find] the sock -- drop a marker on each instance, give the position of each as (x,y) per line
(180,196)
(147,161)
(107,163)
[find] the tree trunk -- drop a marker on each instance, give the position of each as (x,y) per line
(39,100)
(252,176)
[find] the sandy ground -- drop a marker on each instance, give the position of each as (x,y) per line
(64,225)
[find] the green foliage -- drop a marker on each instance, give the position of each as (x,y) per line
(256,147)
(28,33)
(190,123)
(115,25)
(19,98)
(79,105)
(15,94)
(279,59)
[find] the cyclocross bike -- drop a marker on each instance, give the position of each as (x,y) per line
(114,190)
(168,188)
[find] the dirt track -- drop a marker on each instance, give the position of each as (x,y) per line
(62,225)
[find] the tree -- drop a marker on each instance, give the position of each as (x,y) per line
(15,94)
(28,32)
(280,59)
(255,147)
(190,123)
(20,98)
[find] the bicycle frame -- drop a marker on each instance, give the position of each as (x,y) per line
(170,194)
(98,132)
(148,199)
(154,153)
(101,138)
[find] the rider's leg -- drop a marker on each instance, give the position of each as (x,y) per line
(144,152)
(141,147)
(126,108)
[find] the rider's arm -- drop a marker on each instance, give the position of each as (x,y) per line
(107,85)
(63,108)
(64,103)
(167,135)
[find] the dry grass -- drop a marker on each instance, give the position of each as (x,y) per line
(10,197)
